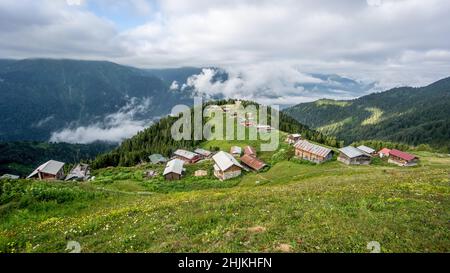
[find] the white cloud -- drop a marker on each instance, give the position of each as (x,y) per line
(114,128)
(174,86)
(373,39)
(74,2)
(273,83)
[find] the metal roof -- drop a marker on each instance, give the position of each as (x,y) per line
(157,158)
(81,171)
(312,148)
(202,152)
(351,152)
(174,166)
(253,162)
(9,176)
(236,150)
(224,161)
(385,151)
(249,150)
(402,155)
(294,135)
(50,167)
(186,154)
(366,149)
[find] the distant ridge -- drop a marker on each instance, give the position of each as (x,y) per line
(408,115)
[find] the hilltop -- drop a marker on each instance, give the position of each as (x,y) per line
(407,115)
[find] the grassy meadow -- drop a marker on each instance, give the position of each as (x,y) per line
(291,207)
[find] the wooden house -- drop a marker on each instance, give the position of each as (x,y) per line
(252,162)
(157,159)
(384,153)
(312,152)
(187,156)
(293,138)
(249,150)
(50,170)
(226,166)
(174,169)
(81,172)
(9,176)
(236,151)
(402,159)
(353,156)
(203,153)
(367,150)
(264,128)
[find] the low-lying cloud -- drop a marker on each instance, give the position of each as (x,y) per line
(275,84)
(115,127)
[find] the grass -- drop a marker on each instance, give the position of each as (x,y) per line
(313,208)
(376,114)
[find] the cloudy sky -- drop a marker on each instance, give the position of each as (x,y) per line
(392,42)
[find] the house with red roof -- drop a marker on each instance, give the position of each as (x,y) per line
(402,158)
(384,152)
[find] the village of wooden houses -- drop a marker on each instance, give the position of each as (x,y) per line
(229,164)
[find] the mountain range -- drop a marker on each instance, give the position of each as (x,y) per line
(406,115)
(71,100)
(41,96)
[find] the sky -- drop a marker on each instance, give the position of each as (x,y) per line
(269,46)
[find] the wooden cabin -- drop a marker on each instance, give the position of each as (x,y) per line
(367,150)
(81,172)
(236,151)
(402,158)
(252,162)
(174,169)
(9,176)
(353,156)
(203,153)
(264,128)
(384,153)
(187,156)
(293,138)
(157,159)
(249,150)
(50,170)
(312,152)
(226,166)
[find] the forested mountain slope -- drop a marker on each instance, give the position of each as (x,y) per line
(407,115)
(157,139)
(40,96)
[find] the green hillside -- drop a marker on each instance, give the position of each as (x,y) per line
(157,139)
(41,96)
(407,115)
(291,207)
(21,158)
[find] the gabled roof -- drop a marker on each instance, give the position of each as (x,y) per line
(80,171)
(253,162)
(50,167)
(224,161)
(312,148)
(174,166)
(9,176)
(385,151)
(202,152)
(294,135)
(236,150)
(402,155)
(366,149)
(249,150)
(186,154)
(157,158)
(351,152)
